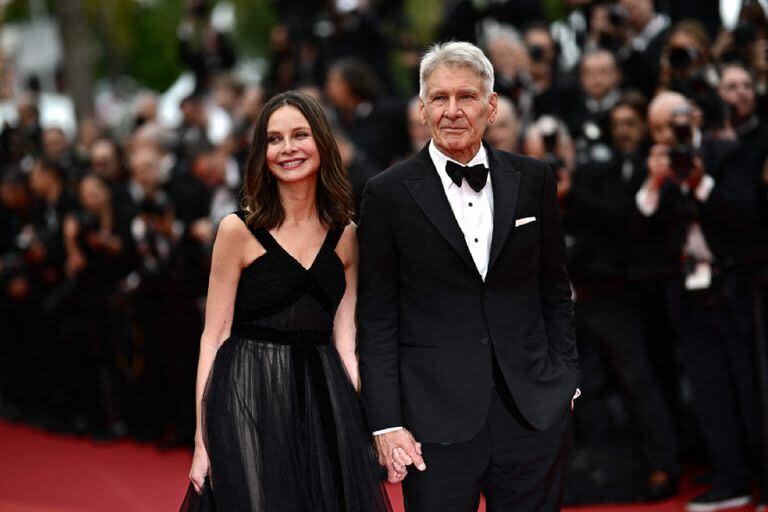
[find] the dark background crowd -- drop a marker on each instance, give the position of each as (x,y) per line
(106,233)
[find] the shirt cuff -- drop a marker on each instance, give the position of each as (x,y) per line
(577,394)
(704,188)
(387,430)
(647,200)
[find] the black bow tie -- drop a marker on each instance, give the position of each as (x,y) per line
(475,175)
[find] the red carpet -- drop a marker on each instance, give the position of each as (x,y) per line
(41,472)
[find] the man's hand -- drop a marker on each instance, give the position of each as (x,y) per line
(659,169)
(397,450)
(697,173)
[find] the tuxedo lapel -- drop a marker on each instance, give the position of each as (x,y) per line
(506,185)
(427,190)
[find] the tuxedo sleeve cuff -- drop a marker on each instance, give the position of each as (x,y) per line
(387,430)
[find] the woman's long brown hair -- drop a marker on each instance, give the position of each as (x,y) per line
(261,196)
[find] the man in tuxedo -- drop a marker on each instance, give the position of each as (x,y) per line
(467,349)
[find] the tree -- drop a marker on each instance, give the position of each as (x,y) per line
(79,54)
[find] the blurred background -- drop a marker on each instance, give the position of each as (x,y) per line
(124,130)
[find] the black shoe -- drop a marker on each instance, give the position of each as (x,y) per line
(719,499)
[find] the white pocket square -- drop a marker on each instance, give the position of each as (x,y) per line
(524,221)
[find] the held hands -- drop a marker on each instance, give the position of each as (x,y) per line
(199,469)
(397,450)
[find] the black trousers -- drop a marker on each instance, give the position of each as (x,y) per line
(717,349)
(609,326)
(515,466)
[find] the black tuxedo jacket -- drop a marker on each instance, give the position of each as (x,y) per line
(428,323)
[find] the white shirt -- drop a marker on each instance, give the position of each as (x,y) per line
(473,210)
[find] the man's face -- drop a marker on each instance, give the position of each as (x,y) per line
(661,116)
(457,110)
(639,12)
(54,142)
(104,160)
(627,129)
(145,168)
(599,74)
(507,57)
(737,89)
(503,133)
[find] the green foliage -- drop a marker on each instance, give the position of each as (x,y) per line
(255,19)
(425,15)
(16,11)
(140,39)
(137,39)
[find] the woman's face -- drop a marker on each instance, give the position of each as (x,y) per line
(93,194)
(292,154)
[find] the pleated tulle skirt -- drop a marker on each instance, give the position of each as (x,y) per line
(285,432)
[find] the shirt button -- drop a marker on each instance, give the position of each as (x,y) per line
(476,240)
(470,204)
(483,340)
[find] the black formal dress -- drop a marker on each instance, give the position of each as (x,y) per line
(283,427)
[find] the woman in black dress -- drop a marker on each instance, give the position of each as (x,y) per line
(279,425)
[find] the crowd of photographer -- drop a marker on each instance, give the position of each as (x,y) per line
(653,121)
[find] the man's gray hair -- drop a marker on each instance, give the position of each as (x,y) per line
(455,53)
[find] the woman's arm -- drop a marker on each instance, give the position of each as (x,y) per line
(226,265)
(344,326)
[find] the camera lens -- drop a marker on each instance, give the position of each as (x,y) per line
(536,52)
(682,57)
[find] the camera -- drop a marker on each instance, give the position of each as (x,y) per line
(617,16)
(536,52)
(682,154)
(549,129)
(682,57)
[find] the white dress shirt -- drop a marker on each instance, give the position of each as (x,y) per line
(473,210)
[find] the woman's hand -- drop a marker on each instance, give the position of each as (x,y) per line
(199,469)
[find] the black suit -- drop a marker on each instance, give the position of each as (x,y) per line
(431,330)
(715,324)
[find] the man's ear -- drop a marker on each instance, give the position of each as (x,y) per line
(422,111)
(493,105)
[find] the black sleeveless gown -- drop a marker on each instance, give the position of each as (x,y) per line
(283,427)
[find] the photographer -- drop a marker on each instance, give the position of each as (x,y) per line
(548,139)
(589,118)
(685,60)
(606,268)
(511,62)
(18,299)
(703,206)
(504,133)
(97,258)
(642,39)
(737,90)
(552,91)
(202,48)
